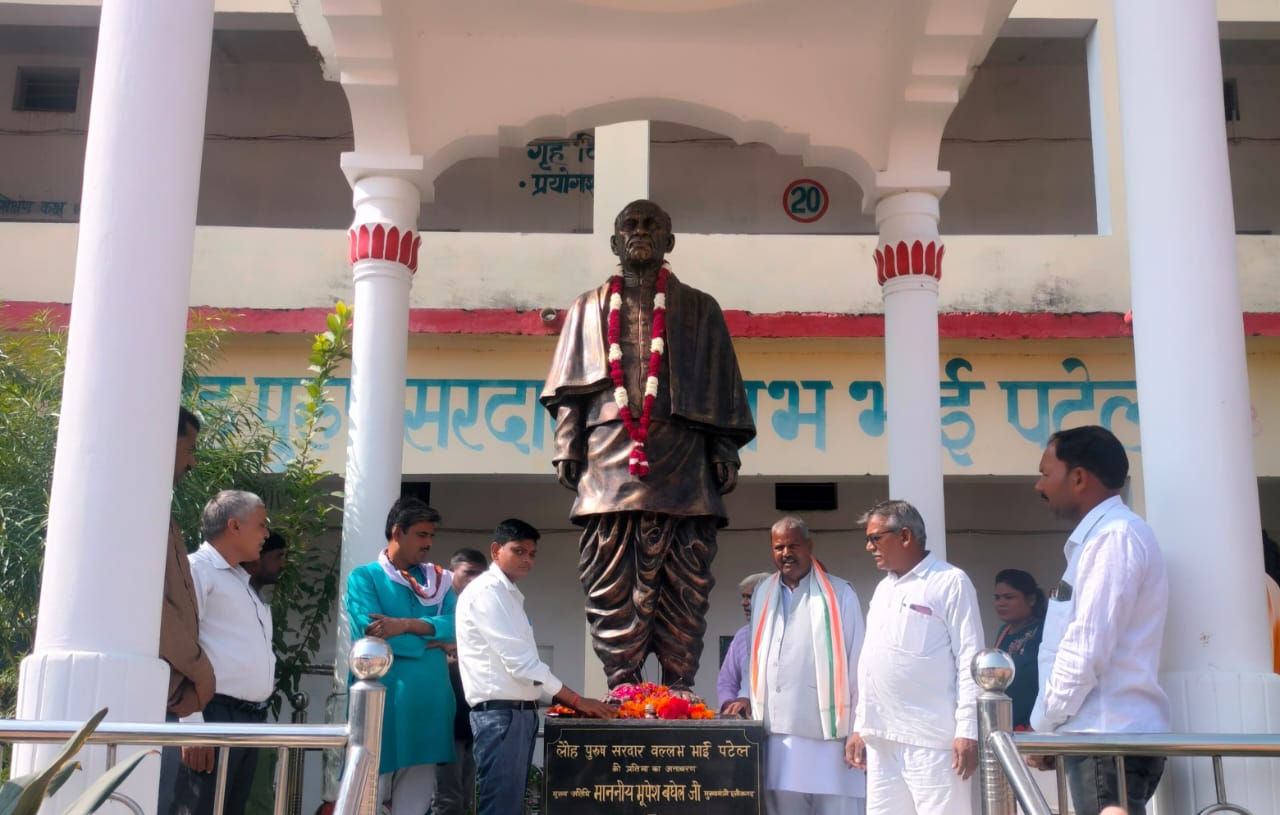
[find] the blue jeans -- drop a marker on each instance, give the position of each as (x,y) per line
(1094,783)
(503,751)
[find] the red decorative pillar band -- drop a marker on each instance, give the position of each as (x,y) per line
(380,242)
(903,259)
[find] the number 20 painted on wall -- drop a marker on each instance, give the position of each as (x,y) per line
(805,200)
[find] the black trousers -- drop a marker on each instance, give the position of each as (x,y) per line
(170,761)
(193,792)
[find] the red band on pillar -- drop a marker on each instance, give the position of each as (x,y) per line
(380,242)
(902,259)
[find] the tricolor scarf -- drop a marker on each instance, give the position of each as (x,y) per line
(829,655)
(429,584)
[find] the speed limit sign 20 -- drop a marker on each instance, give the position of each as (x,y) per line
(805,200)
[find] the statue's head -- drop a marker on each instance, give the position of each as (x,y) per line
(642,236)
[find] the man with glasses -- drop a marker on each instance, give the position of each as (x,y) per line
(235,631)
(915,729)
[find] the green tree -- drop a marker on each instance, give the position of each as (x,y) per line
(31,366)
(237,449)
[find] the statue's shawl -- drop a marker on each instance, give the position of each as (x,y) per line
(705,383)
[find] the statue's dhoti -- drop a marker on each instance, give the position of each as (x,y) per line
(647,577)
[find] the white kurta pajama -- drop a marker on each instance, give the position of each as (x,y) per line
(917,694)
(805,770)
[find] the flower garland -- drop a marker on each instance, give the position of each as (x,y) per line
(647,701)
(638,431)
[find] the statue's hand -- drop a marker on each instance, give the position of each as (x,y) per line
(569,471)
(726,476)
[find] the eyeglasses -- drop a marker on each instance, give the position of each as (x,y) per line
(874,540)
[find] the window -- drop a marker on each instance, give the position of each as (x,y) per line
(804,497)
(47,90)
(1231,99)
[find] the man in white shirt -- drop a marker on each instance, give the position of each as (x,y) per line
(1100,654)
(235,633)
(916,728)
(806,632)
(502,674)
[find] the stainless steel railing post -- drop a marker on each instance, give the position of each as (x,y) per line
(993,672)
(284,765)
(293,792)
(370,660)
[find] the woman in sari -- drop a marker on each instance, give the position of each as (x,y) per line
(1020,605)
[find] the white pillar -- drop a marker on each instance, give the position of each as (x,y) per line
(621,176)
(1200,482)
(99,631)
(384,255)
(1104,123)
(908,266)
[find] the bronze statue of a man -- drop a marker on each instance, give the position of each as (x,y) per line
(650,412)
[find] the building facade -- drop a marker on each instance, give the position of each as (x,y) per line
(803,156)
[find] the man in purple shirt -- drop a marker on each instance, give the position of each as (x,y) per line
(729,682)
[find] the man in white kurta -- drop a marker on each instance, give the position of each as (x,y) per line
(915,728)
(806,632)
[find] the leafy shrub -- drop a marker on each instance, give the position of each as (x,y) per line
(237,449)
(23,796)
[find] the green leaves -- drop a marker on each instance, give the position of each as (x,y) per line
(35,787)
(305,509)
(31,366)
(237,449)
(23,796)
(102,789)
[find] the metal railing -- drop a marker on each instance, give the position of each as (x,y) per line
(361,736)
(1005,776)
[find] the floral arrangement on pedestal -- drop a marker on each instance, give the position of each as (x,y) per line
(645,700)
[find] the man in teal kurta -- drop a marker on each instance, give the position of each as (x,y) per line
(408,601)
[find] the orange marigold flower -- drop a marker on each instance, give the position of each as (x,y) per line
(646,699)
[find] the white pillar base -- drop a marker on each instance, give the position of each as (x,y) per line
(72,686)
(1221,702)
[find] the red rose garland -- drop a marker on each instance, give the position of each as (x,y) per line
(639,432)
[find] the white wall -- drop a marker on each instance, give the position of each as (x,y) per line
(1017,147)
(233,6)
(274,130)
(1254,140)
